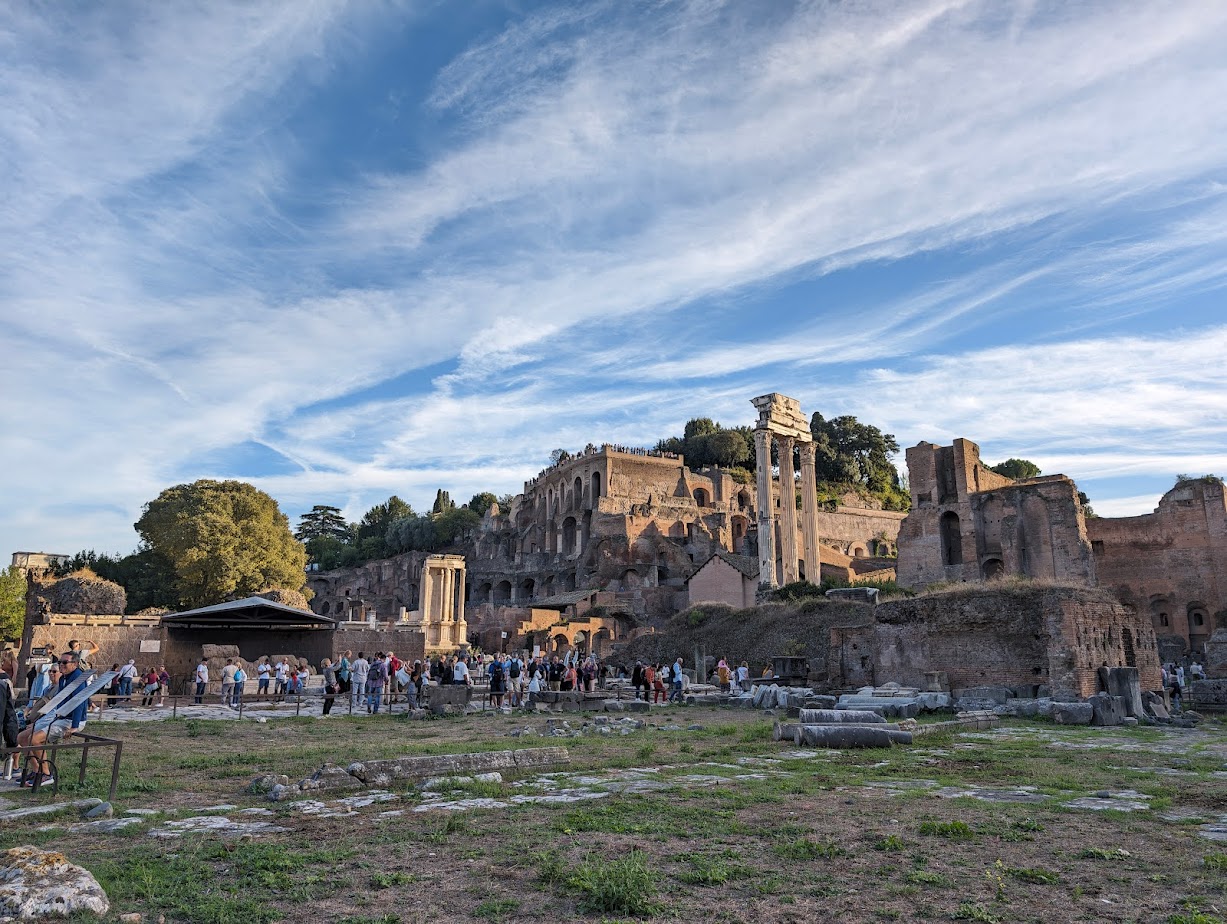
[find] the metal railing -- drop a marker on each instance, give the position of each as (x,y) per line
(76,742)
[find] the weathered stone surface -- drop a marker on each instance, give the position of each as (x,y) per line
(849,736)
(1106,709)
(265,783)
(418,768)
(1072,713)
(1210,692)
(636,705)
(839,717)
(1123,682)
(450,695)
(37,884)
(931,702)
(784,731)
(986,694)
(99,811)
(889,707)
(332,777)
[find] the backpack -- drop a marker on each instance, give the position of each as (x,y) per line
(240,676)
(496,670)
(514,670)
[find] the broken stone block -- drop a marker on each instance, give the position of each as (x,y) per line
(933,701)
(1106,709)
(36,884)
(849,736)
(1123,682)
(1072,713)
(839,717)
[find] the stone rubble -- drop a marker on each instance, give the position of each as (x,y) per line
(37,884)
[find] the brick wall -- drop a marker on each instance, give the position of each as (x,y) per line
(1034,641)
(720,582)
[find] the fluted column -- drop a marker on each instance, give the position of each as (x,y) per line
(809,515)
(461,634)
(766,511)
(788,512)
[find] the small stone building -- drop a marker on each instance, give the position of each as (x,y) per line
(725,578)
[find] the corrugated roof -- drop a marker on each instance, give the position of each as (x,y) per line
(255,612)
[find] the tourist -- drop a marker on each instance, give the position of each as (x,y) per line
(498,680)
(414,684)
(240,681)
(127,674)
(1180,676)
(637,679)
(743,677)
(33,706)
(281,679)
(1196,672)
(331,688)
(724,676)
(460,672)
(202,680)
(677,680)
(264,673)
(302,678)
(115,687)
(228,673)
(515,670)
(534,683)
(376,677)
(1176,692)
(344,672)
(394,666)
(588,674)
(52,729)
(163,684)
(151,687)
(554,673)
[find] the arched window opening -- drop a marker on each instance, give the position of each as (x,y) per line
(952,539)
(992,568)
(702,498)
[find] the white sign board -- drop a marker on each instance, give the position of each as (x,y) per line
(151,644)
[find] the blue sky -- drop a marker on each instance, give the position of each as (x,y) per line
(349,250)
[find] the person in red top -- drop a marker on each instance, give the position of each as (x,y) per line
(394,664)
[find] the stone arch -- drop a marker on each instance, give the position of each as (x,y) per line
(992,568)
(561,643)
(568,582)
(596,487)
(701,497)
(952,539)
(577,493)
(549,586)
(743,499)
(482,594)
(568,536)
(324,609)
(528,589)
(740,526)
(858,550)
(631,579)
(602,642)
(501,594)
(1160,611)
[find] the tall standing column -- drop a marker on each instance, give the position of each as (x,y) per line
(809,515)
(766,511)
(462,627)
(788,512)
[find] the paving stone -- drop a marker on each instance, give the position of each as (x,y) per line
(219,823)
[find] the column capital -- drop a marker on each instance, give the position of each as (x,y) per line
(808,452)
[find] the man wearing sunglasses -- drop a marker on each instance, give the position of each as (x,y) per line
(52,728)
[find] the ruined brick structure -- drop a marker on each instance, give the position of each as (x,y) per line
(1171,564)
(1037,642)
(628,527)
(967,523)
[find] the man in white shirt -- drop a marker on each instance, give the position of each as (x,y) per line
(460,673)
(282,677)
(202,680)
(263,672)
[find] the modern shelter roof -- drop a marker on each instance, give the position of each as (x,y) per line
(561,601)
(248,613)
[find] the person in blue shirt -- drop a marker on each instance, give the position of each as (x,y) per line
(51,728)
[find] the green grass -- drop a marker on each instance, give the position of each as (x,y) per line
(622,885)
(954,830)
(808,850)
(495,909)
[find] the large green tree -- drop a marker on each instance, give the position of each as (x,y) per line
(12,602)
(1018,469)
(704,442)
(848,452)
(323,521)
(222,539)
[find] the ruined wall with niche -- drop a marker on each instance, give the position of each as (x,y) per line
(1171,565)
(968,523)
(1036,642)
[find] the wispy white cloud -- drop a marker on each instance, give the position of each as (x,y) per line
(544,273)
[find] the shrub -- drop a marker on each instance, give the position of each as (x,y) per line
(625,885)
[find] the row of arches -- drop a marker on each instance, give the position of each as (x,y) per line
(573,497)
